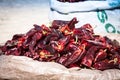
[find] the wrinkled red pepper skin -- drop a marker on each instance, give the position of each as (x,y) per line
(56,24)
(60,44)
(105,64)
(101,55)
(72,23)
(76,55)
(90,56)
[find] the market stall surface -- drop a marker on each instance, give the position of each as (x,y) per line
(18,16)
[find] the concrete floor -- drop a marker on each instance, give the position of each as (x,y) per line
(18,16)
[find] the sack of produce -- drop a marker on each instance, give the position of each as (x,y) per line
(71,6)
(61,52)
(103,16)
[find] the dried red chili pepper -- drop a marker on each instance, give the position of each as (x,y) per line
(106,64)
(88,27)
(37,28)
(44,55)
(82,33)
(90,56)
(72,23)
(100,55)
(76,55)
(68,28)
(63,58)
(71,47)
(56,24)
(31,32)
(73,65)
(60,44)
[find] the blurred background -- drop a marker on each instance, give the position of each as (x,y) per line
(18,16)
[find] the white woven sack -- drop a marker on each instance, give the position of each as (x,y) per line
(83,6)
(105,21)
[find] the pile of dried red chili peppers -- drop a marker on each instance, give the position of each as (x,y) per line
(65,44)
